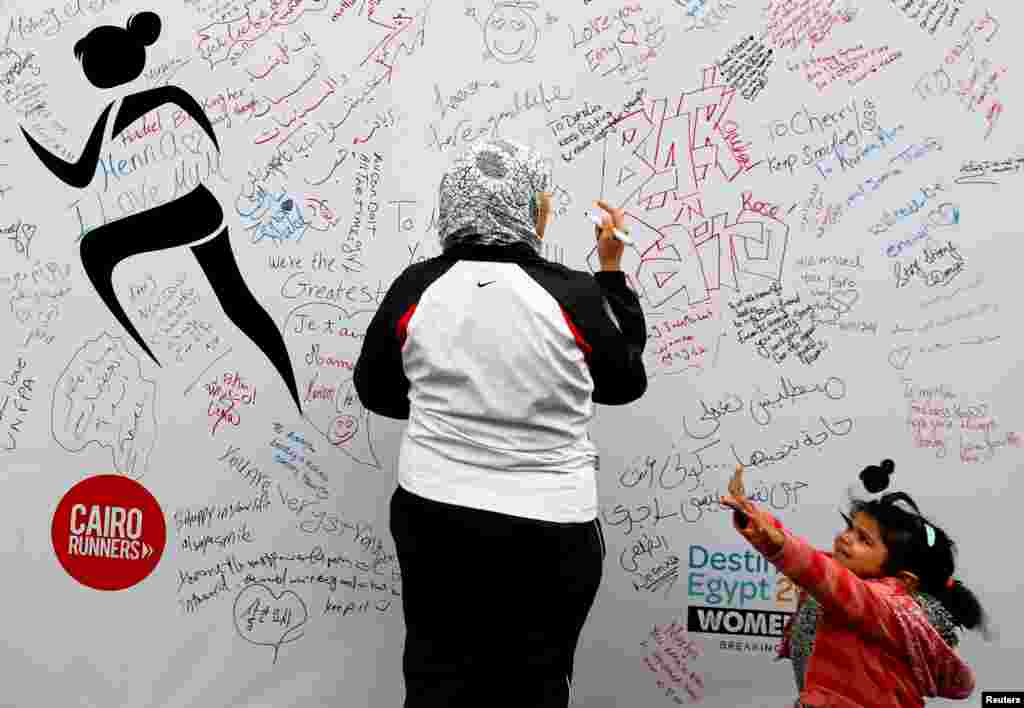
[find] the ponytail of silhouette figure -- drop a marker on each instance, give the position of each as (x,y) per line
(113,56)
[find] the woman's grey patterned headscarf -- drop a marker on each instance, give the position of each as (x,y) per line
(489,195)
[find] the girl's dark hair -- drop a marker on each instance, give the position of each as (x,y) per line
(928,554)
(112,56)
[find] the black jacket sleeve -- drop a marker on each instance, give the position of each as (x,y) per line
(379,377)
(616,358)
(614,343)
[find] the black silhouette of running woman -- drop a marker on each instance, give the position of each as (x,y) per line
(112,56)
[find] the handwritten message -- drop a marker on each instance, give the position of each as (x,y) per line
(942,421)
(670,656)
(778,327)
(37,298)
(228,395)
(296,454)
(267,619)
(17,391)
(932,14)
(745,67)
(170,318)
(328,393)
(102,398)
(979,90)
(792,23)
(941,265)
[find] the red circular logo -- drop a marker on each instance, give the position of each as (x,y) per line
(108,532)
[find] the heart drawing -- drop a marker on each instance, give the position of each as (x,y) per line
(269,620)
(898,357)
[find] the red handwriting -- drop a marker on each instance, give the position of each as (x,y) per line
(230,39)
(792,22)
(318,392)
(939,423)
(222,106)
(670,662)
(680,349)
(297,116)
(982,83)
(762,208)
(694,262)
(322,217)
(656,167)
(222,413)
(602,23)
(345,5)
(226,394)
(146,126)
(730,134)
(670,148)
(181,118)
(315,358)
(853,63)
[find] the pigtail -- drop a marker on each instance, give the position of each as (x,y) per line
(965,607)
(934,563)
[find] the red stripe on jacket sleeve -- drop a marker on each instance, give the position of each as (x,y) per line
(580,341)
(403,325)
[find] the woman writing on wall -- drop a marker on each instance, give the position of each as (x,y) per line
(496,357)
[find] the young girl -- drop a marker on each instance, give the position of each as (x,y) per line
(875,645)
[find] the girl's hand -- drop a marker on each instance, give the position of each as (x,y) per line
(753,524)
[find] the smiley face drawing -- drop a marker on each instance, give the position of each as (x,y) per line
(510,32)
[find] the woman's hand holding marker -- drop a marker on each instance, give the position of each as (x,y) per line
(611,233)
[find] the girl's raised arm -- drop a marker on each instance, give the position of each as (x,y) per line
(842,594)
(77,174)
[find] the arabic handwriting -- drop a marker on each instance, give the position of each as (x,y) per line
(833,388)
(645,545)
(342,156)
(231,38)
(778,495)
(633,475)
(283,56)
(364,97)
(840,428)
(298,88)
(730,404)
(665,573)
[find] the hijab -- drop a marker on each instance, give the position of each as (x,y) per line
(488,196)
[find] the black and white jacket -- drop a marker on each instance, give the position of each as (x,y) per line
(496,357)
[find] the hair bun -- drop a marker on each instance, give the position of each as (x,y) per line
(876,477)
(144,27)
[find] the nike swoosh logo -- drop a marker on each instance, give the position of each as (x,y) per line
(480,285)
